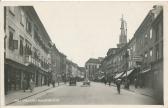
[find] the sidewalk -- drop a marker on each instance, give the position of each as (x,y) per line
(14,96)
(143,91)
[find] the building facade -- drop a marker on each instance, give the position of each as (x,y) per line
(55,62)
(92,66)
(142,57)
(62,74)
(149,40)
(26,48)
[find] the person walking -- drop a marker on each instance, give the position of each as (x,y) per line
(136,83)
(53,83)
(105,80)
(31,83)
(118,83)
(109,81)
(24,83)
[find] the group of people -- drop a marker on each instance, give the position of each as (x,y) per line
(28,84)
(126,83)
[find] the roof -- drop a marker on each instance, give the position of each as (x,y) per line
(93,60)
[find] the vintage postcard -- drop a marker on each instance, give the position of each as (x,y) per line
(83,53)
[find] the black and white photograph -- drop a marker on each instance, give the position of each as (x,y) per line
(83,53)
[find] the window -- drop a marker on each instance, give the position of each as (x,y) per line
(160,30)
(150,34)
(22,17)
(21,46)
(12,10)
(28,26)
(11,40)
(157,33)
(146,36)
(146,55)
(151,52)
(157,52)
(28,50)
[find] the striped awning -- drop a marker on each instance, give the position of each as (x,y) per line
(118,75)
(128,72)
(146,70)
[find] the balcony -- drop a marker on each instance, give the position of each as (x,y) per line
(30,60)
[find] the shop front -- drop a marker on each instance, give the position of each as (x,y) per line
(147,78)
(13,75)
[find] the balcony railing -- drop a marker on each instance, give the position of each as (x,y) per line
(30,60)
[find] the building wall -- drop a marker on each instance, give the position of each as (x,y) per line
(23,54)
(92,70)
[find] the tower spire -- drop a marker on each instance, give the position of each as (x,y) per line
(123,34)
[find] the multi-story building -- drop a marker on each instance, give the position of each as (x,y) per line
(62,73)
(26,48)
(92,66)
(72,69)
(142,56)
(82,72)
(149,40)
(149,44)
(55,61)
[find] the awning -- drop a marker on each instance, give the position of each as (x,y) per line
(146,70)
(118,75)
(128,73)
(101,77)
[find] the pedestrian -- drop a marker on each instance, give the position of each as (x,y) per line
(136,83)
(118,83)
(109,81)
(128,83)
(53,83)
(31,83)
(105,81)
(24,83)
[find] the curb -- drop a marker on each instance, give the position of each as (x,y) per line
(28,96)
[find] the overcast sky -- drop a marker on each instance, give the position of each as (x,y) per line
(83,30)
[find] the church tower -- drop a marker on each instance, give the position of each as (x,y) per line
(123,34)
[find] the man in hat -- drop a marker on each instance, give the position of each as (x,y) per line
(118,83)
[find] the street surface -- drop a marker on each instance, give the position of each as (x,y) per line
(96,94)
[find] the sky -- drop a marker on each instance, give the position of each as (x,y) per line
(83,30)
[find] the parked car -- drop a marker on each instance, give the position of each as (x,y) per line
(86,82)
(72,81)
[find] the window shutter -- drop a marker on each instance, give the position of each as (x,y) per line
(11,40)
(15,44)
